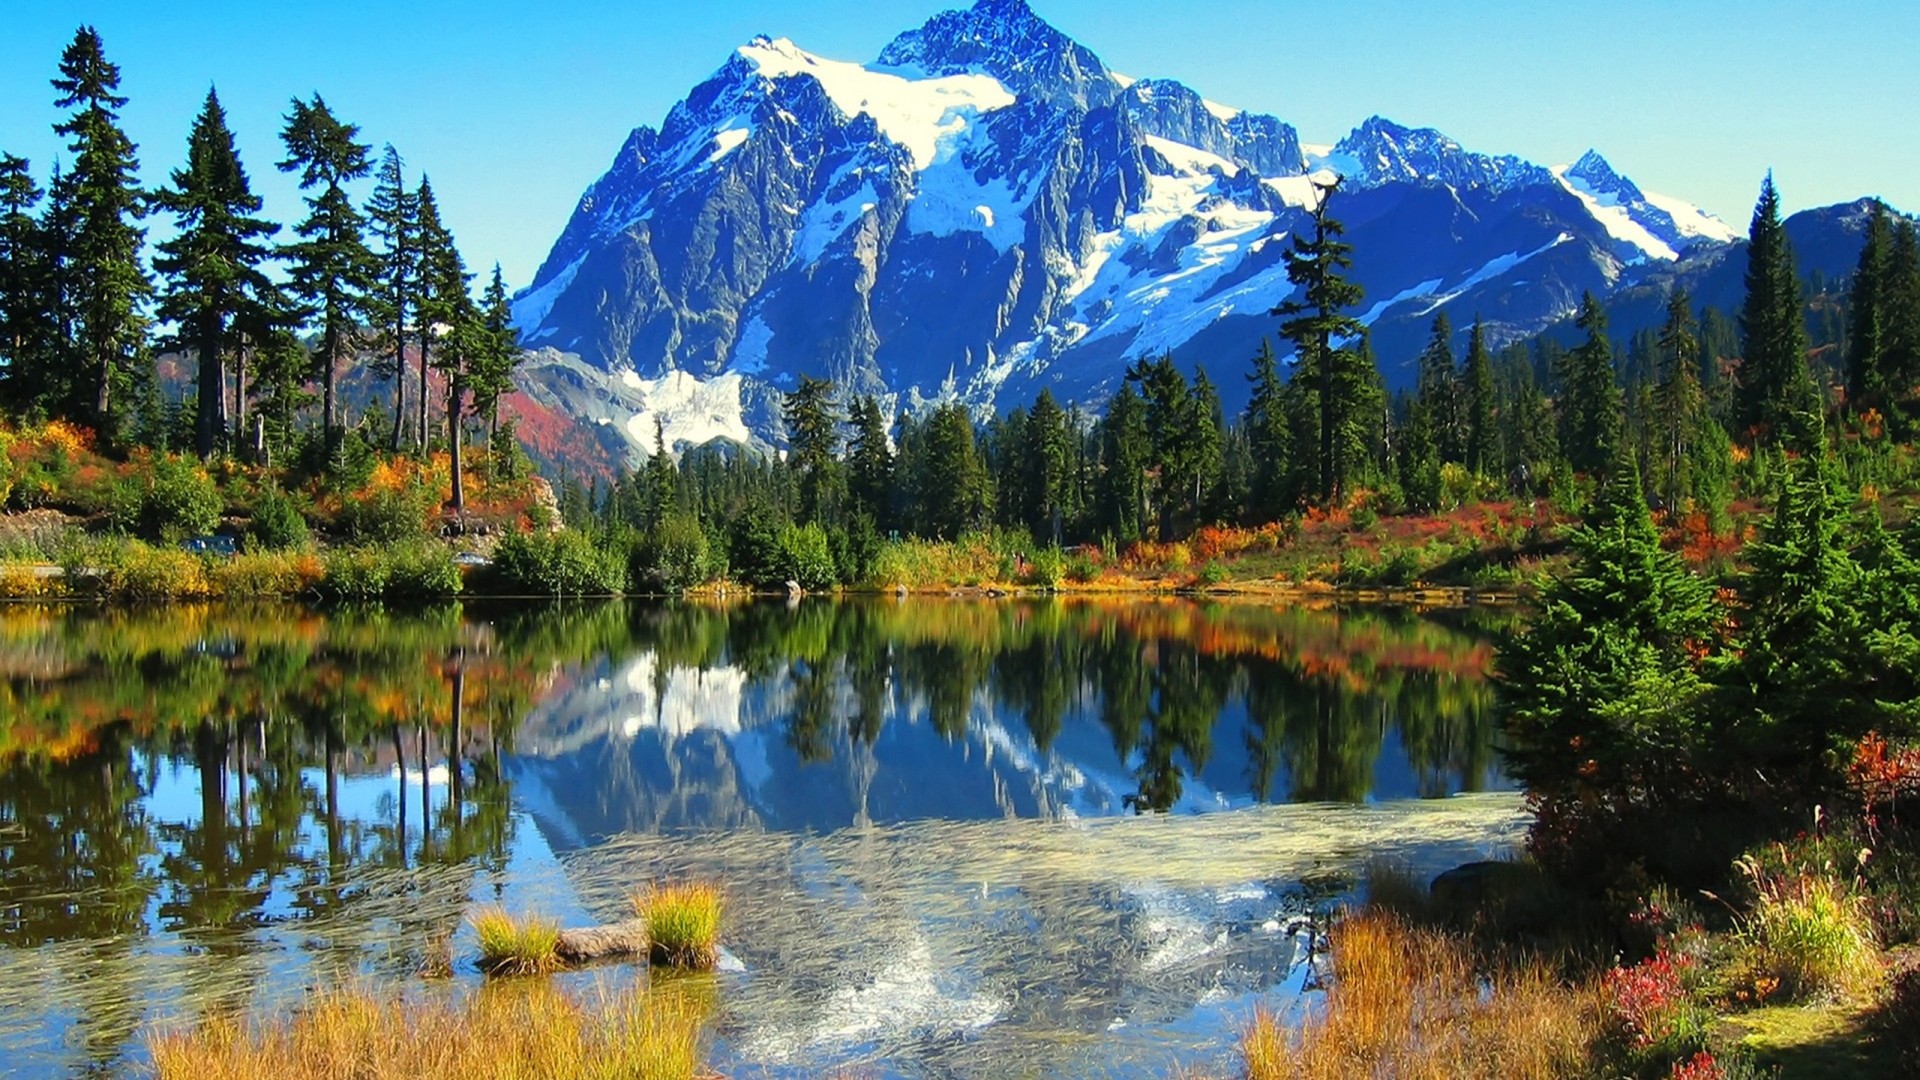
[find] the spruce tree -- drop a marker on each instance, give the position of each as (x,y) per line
(956,494)
(870,464)
(1479,398)
(330,268)
(1048,459)
(436,305)
(1900,348)
(813,423)
(393,214)
(1265,422)
(1601,698)
(108,285)
(451,318)
(1438,392)
(1124,451)
(500,354)
(1343,383)
(1868,316)
(26,324)
(211,269)
(1590,407)
(1680,404)
(1777,398)
(1419,457)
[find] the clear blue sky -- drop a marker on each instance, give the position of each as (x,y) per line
(513,108)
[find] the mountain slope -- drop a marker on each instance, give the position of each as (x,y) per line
(987,209)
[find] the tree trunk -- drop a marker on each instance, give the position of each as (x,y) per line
(211,392)
(454,392)
(329,342)
(399,384)
(425,335)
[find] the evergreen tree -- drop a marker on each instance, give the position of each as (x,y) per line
(1124,449)
(870,465)
(1317,324)
(1798,676)
(393,217)
(499,355)
(1680,405)
(108,285)
(1601,698)
(813,446)
(26,325)
(1419,457)
(661,485)
(211,269)
(954,489)
(1900,333)
(1438,393)
(1777,395)
(1479,400)
(451,318)
(1265,423)
(1048,459)
(1590,409)
(436,306)
(331,269)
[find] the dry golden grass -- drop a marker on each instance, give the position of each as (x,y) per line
(1409,1004)
(516,946)
(521,1031)
(683,921)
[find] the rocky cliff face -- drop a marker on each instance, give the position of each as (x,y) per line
(987,210)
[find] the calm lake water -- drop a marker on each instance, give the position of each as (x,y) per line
(959,838)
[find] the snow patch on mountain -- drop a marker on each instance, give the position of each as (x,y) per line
(690,411)
(915,114)
(1693,221)
(530,308)
(1618,219)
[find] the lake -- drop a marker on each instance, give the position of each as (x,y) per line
(959,837)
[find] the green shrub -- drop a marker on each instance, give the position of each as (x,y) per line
(1082,568)
(277,523)
(355,574)
(388,515)
(1214,573)
(1808,935)
(422,571)
(806,556)
(265,573)
(565,563)
(754,552)
(169,498)
(673,557)
(1047,569)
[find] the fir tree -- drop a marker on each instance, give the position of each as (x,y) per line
(1343,384)
(331,269)
(1680,404)
(393,218)
(1900,333)
(813,446)
(955,492)
(1479,399)
(1048,458)
(1601,698)
(1777,395)
(1590,409)
(1265,423)
(870,465)
(451,318)
(107,283)
(499,354)
(437,305)
(26,325)
(1438,395)
(212,268)
(1124,449)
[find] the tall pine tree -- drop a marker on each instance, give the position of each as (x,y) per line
(211,269)
(108,285)
(26,321)
(1342,381)
(393,217)
(1777,397)
(1590,406)
(331,269)
(1480,403)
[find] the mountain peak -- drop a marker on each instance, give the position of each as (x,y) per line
(1007,40)
(1600,178)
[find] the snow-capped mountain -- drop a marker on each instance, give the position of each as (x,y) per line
(987,209)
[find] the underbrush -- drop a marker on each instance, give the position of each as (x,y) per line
(565,563)
(525,1030)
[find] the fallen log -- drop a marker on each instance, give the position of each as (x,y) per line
(580,946)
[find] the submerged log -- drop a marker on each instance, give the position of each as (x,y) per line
(603,942)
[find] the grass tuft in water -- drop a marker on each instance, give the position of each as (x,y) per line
(527,1030)
(516,946)
(683,921)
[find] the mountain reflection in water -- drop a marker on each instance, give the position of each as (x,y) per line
(220,806)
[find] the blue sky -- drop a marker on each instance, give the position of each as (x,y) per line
(513,108)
